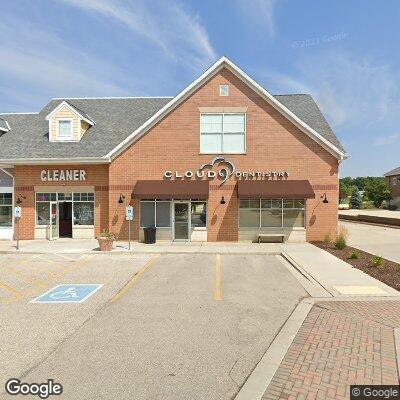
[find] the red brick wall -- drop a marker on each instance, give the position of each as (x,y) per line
(395,188)
(28,176)
(273,143)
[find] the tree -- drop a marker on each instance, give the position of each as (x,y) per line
(355,199)
(377,191)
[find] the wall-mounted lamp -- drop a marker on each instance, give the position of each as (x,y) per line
(325,200)
(222,201)
(121,198)
(19,201)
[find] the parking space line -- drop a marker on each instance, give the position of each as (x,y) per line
(217,290)
(31,280)
(32,258)
(135,277)
(11,290)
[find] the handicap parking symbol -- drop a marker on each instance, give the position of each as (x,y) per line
(73,293)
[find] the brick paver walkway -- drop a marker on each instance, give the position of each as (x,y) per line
(339,344)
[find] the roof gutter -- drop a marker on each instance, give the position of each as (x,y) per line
(54,161)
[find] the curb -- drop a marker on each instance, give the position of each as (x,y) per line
(258,381)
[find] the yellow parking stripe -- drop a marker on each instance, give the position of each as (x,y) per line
(135,277)
(31,280)
(217,290)
(11,289)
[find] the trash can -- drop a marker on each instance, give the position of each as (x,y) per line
(149,234)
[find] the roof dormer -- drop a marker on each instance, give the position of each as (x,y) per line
(68,123)
(4,126)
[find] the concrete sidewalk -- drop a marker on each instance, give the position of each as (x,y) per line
(91,246)
(337,277)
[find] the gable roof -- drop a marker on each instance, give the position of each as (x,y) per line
(28,142)
(395,171)
(73,109)
(223,62)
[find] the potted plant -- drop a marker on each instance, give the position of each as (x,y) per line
(106,240)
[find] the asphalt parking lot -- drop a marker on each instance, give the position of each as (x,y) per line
(170,326)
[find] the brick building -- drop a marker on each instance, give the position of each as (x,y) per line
(393,182)
(224,160)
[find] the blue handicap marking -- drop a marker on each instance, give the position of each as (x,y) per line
(71,293)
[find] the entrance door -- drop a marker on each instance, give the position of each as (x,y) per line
(181,221)
(54,227)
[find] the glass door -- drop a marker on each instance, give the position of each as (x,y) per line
(54,220)
(181,221)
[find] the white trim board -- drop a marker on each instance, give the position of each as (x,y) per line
(223,62)
(73,110)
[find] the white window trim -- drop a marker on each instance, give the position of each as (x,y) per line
(60,139)
(223,114)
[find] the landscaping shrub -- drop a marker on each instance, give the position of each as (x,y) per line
(341,239)
(377,261)
(354,255)
(327,238)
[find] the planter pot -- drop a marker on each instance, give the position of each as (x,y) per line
(105,244)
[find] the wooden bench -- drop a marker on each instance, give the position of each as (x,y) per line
(270,235)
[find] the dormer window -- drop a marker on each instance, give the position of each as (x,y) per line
(64,131)
(67,123)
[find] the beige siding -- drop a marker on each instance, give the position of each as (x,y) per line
(67,114)
(84,127)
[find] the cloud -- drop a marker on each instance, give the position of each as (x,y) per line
(166,24)
(386,140)
(260,12)
(39,65)
(352,91)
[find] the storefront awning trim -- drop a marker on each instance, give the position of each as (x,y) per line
(284,189)
(173,189)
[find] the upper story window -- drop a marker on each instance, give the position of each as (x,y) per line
(64,129)
(224,90)
(394,181)
(223,133)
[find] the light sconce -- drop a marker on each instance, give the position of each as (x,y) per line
(121,198)
(222,201)
(19,201)
(325,200)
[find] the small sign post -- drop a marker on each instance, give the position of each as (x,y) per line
(17,216)
(129,218)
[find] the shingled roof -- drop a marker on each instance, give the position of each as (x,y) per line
(4,126)
(116,119)
(395,171)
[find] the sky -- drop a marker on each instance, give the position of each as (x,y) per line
(344,53)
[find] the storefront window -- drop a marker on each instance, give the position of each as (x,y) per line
(271,213)
(83,207)
(5,209)
(155,213)
(43,207)
(199,214)
(83,213)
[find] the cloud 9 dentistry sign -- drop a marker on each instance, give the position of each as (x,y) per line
(60,175)
(225,171)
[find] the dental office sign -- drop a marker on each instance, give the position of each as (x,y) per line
(62,175)
(225,171)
